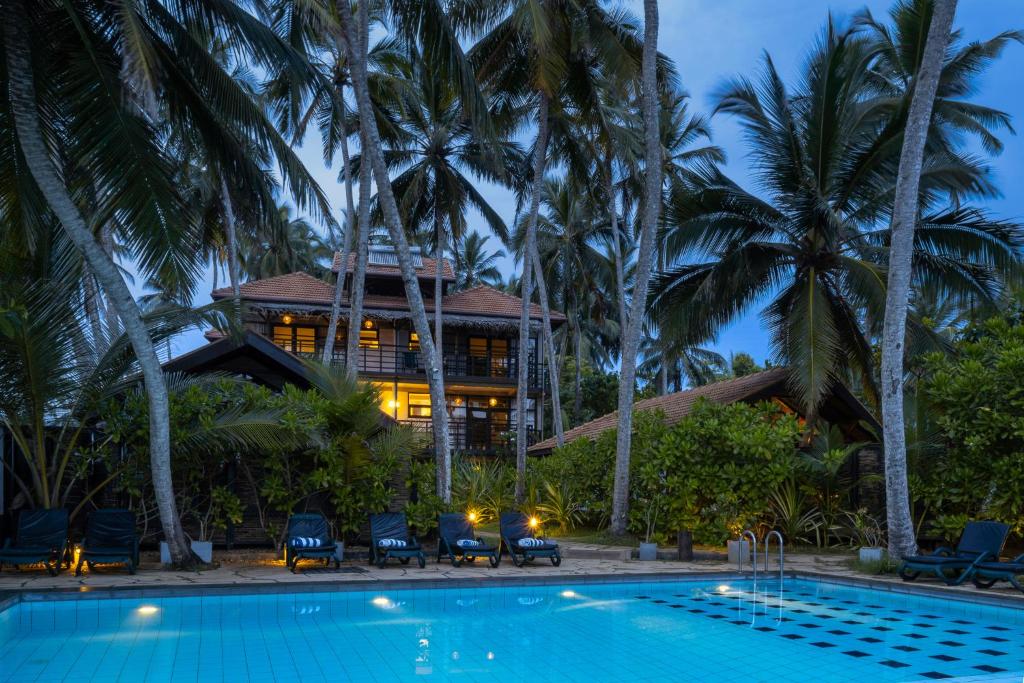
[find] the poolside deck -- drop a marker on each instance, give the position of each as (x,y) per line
(262,572)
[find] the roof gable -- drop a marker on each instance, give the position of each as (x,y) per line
(678,405)
(427,269)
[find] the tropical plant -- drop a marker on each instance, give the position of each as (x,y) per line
(559,506)
(650,211)
(94,92)
(902,539)
(474,265)
(825,157)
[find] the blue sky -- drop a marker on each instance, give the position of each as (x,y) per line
(711,40)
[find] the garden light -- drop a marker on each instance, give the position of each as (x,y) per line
(534,522)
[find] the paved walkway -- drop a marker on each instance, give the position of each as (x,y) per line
(254,568)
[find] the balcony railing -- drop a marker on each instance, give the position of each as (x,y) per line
(399,360)
(476,437)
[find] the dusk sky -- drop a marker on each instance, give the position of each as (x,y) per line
(714,39)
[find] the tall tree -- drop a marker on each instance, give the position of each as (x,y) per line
(905,214)
(814,240)
(653,168)
(474,265)
(356,34)
(99,91)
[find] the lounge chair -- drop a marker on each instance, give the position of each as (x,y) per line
(522,545)
(980,542)
(41,537)
(309,538)
(987,573)
(109,539)
(458,540)
(390,538)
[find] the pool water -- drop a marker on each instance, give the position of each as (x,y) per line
(685,630)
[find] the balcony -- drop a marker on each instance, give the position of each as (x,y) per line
(475,437)
(385,359)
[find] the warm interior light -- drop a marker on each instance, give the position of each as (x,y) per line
(534,522)
(287,319)
(393,403)
(458,401)
(381,601)
(147,610)
(368,324)
(493,402)
(568,594)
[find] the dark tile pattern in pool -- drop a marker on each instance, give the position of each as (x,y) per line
(970,656)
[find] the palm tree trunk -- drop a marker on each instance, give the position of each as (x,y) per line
(645,259)
(522,384)
(33,147)
(355,308)
(613,215)
(904,217)
(229,225)
(663,376)
(110,310)
(549,346)
(439,249)
(355,44)
(92,310)
(577,338)
(346,243)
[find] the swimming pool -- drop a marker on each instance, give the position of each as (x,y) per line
(697,630)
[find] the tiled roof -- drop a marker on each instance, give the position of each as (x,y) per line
(427,270)
(290,288)
(302,288)
(678,405)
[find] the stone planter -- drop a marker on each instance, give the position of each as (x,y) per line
(648,552)
(339,550)
(739,551)
(204,549)
(871,554)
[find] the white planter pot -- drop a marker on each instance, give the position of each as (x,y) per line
(648,551)
(871,554)
(339,550)
(739,551)
(204,549)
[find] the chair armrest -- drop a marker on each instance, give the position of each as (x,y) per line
(944,551)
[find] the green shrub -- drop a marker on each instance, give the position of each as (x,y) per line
(977,395)
(713,472)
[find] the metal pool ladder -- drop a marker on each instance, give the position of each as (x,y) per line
(782,554)
(753,555)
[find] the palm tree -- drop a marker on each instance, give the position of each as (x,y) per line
(438,146)
(94,91)
(678,366)
(651,209)
(287,244)
(528,58)
(569,241)
(474,265)
(826,162)
(902,539)
(355,31)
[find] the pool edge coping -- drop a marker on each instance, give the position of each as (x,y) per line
(11,598)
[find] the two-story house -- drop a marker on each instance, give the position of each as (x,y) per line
(480,344)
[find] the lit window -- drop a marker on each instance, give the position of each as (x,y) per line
(283,337)
(414,341)
(419,405)
(369,337)
(305,339)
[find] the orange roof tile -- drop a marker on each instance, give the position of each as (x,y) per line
(302,288)
(427,270)
(290,288)
(678,405)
